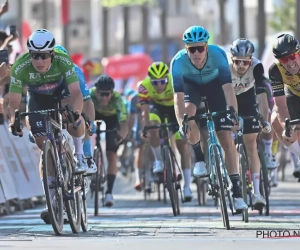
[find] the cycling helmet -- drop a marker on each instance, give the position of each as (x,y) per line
(61,48)
(41,40)
(285,45)
(242,47)
(158,70)
(195,34)
(105,82)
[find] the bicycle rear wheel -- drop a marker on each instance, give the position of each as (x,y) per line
(169,178)
(264,184)
(84,220)
(73,206)
(218,166)
(53,190)
(243,170)
(96,179)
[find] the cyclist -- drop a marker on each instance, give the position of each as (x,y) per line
(157,87)
(247,74)
(197,73)
(49,75)
(285,80)
(110,107)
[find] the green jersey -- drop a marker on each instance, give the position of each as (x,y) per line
(61,72)
(116,105)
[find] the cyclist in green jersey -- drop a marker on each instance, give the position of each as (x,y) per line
(110,108)
(49,76)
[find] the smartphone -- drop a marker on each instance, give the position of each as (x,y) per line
(12,29)
(4,56)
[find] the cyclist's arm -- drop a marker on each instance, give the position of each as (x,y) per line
(225,81)
(263,106)
(177,83)
(15,95)
(278,93)
(122,117)
(144,100)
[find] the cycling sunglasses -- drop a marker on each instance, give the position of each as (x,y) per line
(159,81)
(289,57)
(37,56)
(102,93)
(245,62)
(192,49)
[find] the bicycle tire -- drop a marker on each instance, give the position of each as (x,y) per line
(102,176)
(222,190)
(199,196)
(169,178)
(57,223)
(73,207)
(243,169)
(84,219)
(97,180)
(264,182)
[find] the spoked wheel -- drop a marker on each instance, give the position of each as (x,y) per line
(221,188)
(73,206)
(243,169)
(169,179)
(264,183)
(84,220)
(96,179)
(52,187)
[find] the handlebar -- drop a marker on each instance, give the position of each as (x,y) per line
(71,116)
(288,124)
(158,126)
(259,117)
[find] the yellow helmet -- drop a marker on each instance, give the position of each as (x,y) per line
(158,70)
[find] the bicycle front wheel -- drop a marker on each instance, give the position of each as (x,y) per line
(53,190)
(218,166)
(169,178)
(96,179)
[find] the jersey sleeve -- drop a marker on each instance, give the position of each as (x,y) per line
(276,81)
(16,83)
(121,109)
(67,68)
(177,78)
(224,69)
(143,94)
(83,87)
(258,74)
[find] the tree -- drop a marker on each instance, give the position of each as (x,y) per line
(284,17)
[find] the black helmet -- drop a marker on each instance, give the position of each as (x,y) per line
(285,45)
(105,82)
(242,47)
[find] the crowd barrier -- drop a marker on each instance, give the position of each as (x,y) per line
(20,183)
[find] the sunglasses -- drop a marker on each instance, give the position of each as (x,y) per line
(37,56)
(239,61)
(193,49)
(104,93)
(159,81)
(289,57)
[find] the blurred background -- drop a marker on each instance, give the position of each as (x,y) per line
(94,29)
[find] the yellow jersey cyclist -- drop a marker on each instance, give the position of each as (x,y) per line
(110,108)
(247,74)
(157,89)
(202,70)
(48,75)
(285,80)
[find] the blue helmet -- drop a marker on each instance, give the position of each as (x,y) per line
(61,48)
(195,34)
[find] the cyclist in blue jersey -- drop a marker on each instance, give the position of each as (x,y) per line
(88,109)
(202,70)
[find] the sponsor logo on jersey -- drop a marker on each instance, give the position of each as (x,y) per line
(47,87)
(14,81)
(142,90)
(22,65)
(70,72)
(65,59)
(34,76)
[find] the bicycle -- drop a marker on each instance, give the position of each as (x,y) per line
(127,158)
(171,175)
(98,179)
(69,187)
(218,179)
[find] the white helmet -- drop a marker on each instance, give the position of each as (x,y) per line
(41,40)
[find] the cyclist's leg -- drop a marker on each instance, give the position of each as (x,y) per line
(155,118)
(246,106)
(192,99)
(111,154)
(223,129)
